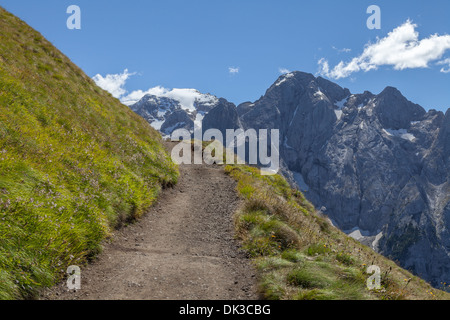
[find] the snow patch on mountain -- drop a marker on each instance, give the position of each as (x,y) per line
(169,130)
(341,104)
(186,97)
(401,133)
(283,78)
(156,124)
(338,114)
(298,177)
(319,94)
(293,117)
(167,110)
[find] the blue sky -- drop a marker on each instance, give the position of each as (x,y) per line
(196,43)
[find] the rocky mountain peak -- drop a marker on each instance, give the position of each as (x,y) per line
(292,81)
(395,111)
(391,91)
(222,117)
(332,90)
(175,109)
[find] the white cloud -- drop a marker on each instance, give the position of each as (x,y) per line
(136,95)
(401,48)
(233,70)
(346,50)
(283,70)
(324,67)
(186,97)
(113,83)
(445,62)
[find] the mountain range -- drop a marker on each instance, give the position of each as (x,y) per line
(167,114)
(378,165)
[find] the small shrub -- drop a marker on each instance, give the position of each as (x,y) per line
(44,67)
(324,225)
(318,249)
(314,294)
(247,191)
(272,288)
(285,236)
(261,246)
(42,118)
(305,278)
(57,77)
(272,263)
(292,255)
(345,258)
(353,275)
(256,204)
(249,221)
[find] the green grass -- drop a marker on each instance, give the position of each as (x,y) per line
(298,254)
(74,163)
(317,249)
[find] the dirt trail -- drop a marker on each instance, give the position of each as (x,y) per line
(183,248)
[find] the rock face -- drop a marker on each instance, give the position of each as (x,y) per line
(222,117)
(377,165)
(184,108)
(177,119)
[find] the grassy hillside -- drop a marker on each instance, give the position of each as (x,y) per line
(74,162)
(300,255)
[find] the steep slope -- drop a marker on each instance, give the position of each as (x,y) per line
(74,162)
